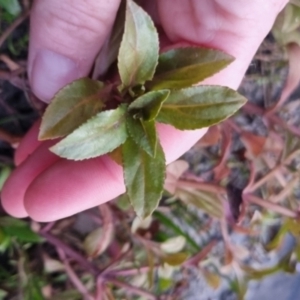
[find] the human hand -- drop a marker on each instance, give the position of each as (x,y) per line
(64,41)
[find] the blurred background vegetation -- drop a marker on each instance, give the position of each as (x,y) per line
(229,218)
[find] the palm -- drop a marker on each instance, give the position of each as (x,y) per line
(214,21)
(237,27)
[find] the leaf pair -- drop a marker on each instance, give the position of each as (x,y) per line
(153,88)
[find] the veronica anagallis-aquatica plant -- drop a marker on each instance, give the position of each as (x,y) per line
(118,118)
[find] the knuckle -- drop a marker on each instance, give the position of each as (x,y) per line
(72,19)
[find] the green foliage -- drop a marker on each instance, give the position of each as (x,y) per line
(133,105)
(16,229)
(176,259)
(200,106)
(13,7)
(99,135)
(183,67)
(139,48)
(4,173)
(143,176)
(286,27)
(149,105)
(144,134)
(72,106)
(32,290)
(163,219)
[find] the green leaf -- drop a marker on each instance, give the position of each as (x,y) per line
(24,234)
(73,105)
(144,177)
(19,230)
(9,221)
(32,290)
(199,106)
(68,295)
(169,223)
(4,174)
(109,51)
(143,133)
(116,155)
(211,278)
(183,67)
(99,135)
(3,294)
(123,202)
(164,283)
(138,55)
(176,259)
(149,104)
(207,202)
(11,6)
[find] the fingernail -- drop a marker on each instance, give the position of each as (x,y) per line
(51,71)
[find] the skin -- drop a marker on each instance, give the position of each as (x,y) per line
(71,32)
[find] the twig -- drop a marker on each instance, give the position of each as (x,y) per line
(287,190)
(270,205)
(12,66)
(70,252)
(48,227)
(73,276)
(251,177)
(208,187)
(201,255)
(129,272)
(9,138)
(132,289)
(13,26)
(107,230)
(225,235)
(259,183)
(9,75)
(107,269)
(100,293)
(293,129)
(293,77)
(226,150)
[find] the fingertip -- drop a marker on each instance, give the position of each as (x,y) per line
(65,38)
(12,194)
(10,201)
(28,144)
(69,187)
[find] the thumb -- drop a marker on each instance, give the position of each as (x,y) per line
(65,37)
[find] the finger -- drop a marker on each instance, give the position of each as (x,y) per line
(75,186)
(50,189)
(176,142)
(236,27)
(28,144)
(12,194)
(65,38)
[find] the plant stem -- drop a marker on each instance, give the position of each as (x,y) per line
(70,252)
(129,272)
(207,187)
(132,289)
(73,276)
(287,190)
(268,176)
(13,26)
(48,227)
(193,261)
(270,205)
(100,293)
